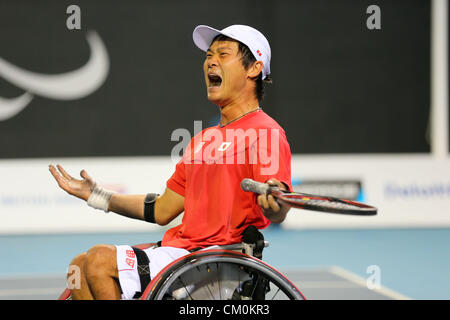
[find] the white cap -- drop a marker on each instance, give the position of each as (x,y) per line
(252,38)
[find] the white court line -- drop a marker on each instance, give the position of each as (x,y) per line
(38,276)
(30,292)
(326,284)
(5,293)
(362,282)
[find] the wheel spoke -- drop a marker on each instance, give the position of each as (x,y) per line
(185,288)
(239,280)
(256,285)
(196,278)
(276,293)
(207,286)
(218,280)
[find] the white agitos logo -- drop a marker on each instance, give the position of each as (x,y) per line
(66,86)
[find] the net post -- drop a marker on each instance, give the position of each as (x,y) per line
(439,130)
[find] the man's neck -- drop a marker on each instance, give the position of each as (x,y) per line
(233,111)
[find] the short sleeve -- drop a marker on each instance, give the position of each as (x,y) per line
(177,182)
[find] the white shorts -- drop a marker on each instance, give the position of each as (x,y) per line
(159,258)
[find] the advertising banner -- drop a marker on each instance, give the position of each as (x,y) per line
(409,191)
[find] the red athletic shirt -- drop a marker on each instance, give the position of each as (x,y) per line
(216,209)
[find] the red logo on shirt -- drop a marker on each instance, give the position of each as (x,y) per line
(130,262)
(259,52)
(130,254)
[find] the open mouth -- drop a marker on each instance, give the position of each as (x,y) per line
(214,80)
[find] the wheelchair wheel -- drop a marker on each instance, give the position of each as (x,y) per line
(220,275)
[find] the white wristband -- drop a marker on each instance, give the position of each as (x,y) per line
(99,198)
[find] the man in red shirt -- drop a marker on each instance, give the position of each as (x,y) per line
(206,183)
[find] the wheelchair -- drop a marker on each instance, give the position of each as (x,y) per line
(230,272)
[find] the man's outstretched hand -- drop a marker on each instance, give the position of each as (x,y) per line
(79,188)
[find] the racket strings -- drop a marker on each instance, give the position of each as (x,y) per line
(328,204)
(324,203)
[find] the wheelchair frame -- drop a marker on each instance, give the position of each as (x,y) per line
(235,256)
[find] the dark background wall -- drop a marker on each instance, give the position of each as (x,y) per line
(338,86)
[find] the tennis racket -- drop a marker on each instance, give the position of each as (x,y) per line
(309,201)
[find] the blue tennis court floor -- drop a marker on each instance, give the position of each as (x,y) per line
(324,264)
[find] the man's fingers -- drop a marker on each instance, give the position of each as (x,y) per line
(268,201)
(59,179)
(54,172)
(272,182)
(275,182)
(273,203)
(63,172)
(90,181)
(262,201)
(85,175)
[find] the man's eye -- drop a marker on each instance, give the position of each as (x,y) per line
(223,54)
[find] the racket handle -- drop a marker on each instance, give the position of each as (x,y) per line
(254,186)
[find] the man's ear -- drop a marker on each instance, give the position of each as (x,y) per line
(255,69)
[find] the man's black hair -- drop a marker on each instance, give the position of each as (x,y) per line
(247,60)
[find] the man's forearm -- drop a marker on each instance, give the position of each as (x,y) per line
(131,206)
(167,206)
